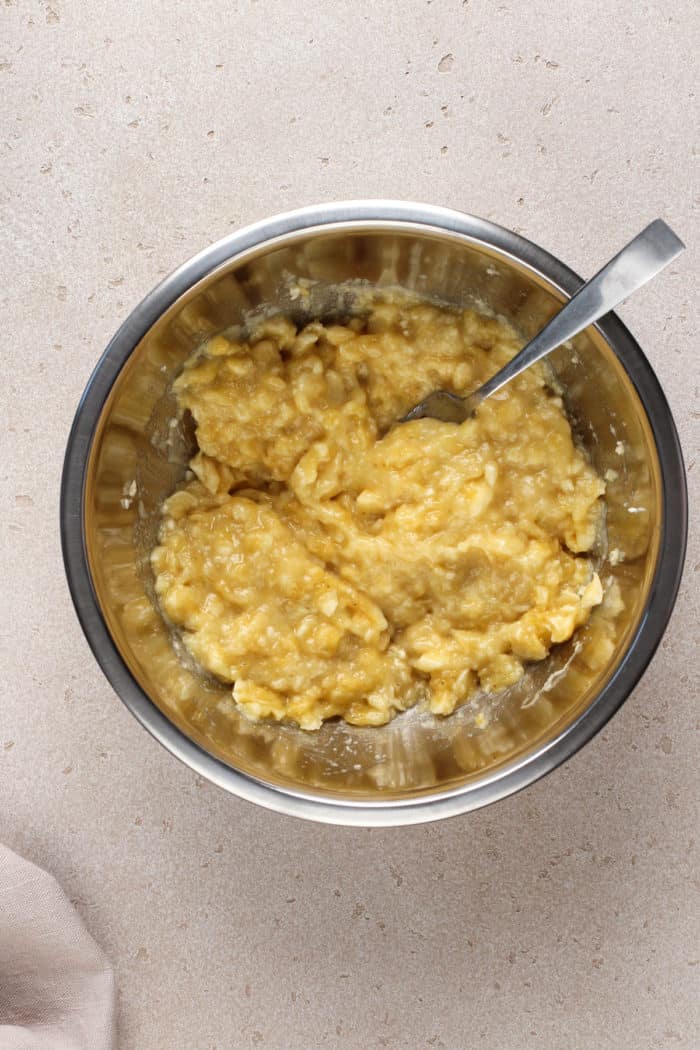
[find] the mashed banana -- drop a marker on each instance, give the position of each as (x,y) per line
(328,562)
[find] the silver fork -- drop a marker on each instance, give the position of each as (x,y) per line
(640,260)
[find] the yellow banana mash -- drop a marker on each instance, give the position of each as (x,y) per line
(325,560)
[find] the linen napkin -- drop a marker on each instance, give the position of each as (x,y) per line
(56,986)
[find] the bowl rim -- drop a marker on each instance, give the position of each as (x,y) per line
(521,772)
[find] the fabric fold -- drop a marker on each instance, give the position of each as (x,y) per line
(56,986)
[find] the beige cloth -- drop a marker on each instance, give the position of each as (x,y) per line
(56,986)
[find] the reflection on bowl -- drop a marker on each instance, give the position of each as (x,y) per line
(125,455)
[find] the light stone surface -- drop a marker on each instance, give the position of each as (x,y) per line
(133,134)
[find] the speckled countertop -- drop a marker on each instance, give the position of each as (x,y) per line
(133,134)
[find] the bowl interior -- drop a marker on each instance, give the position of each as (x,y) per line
(139,453)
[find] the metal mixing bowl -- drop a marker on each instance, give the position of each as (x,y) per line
(125,454)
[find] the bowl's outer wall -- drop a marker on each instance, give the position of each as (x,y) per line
(417,768)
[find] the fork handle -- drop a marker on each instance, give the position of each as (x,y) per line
(640,260)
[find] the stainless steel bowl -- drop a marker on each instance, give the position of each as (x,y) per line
(124,456)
